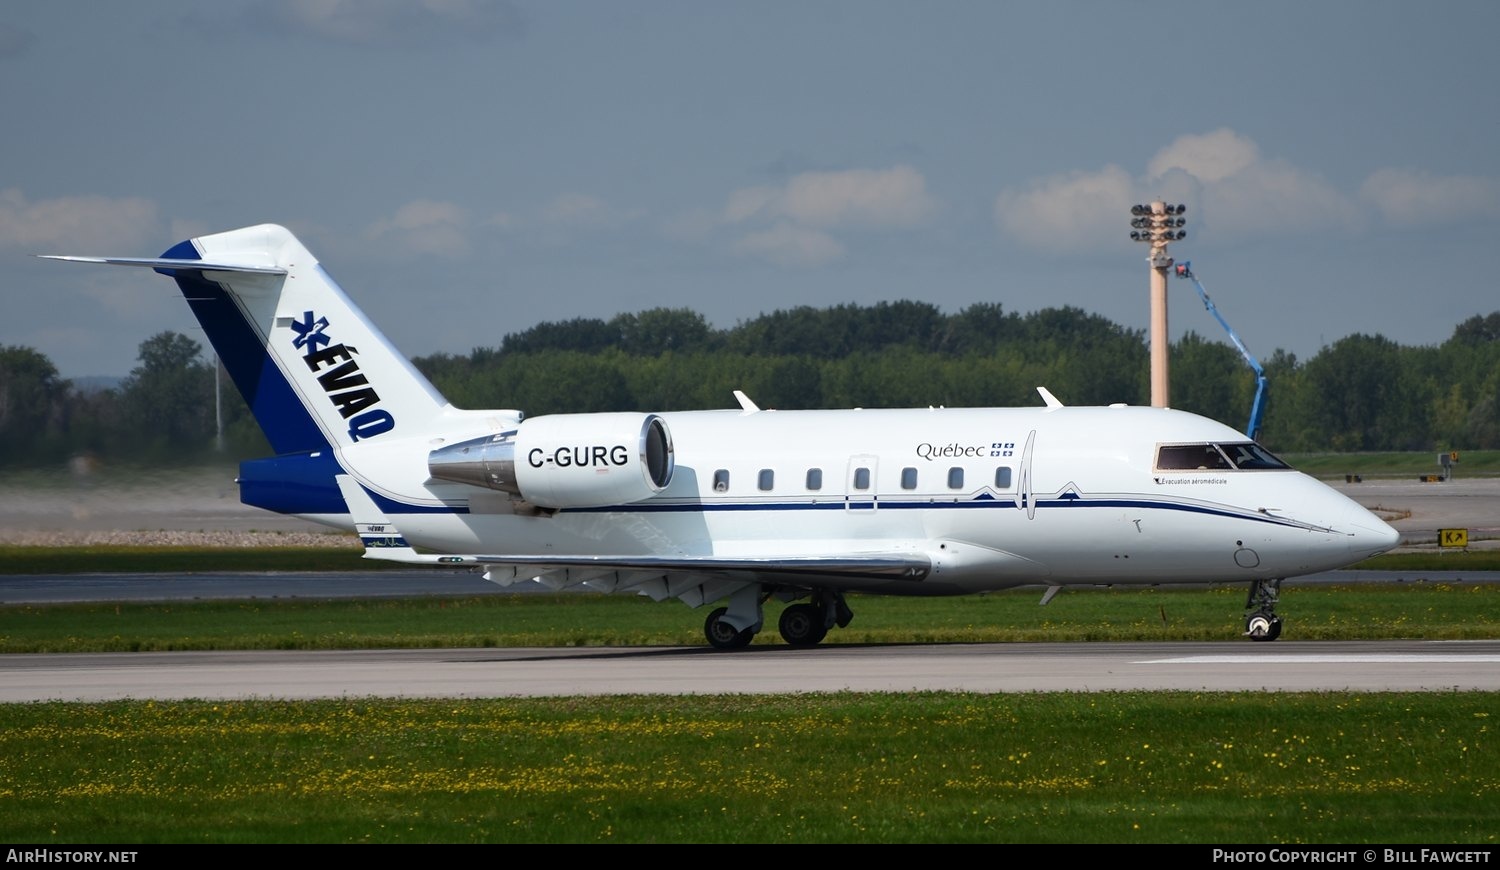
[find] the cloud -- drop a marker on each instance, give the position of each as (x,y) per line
(448,229)
(749,203)
(801,215)
(1244,194)
(574,208)
(1230,188)
(895,197)
(91,225)
(1210,157)
(1406,197)
(393,22)
(1069,211)
(788,244)
(502,220)
(425,227)
(582,210)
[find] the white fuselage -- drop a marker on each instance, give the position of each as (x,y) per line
(993,497)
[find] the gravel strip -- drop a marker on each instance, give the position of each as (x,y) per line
(170,538)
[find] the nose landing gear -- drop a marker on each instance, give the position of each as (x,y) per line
(1263,624)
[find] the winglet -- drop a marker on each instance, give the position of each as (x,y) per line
(745,403)
(1050,399)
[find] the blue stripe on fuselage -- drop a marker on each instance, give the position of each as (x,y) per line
(1071,500)
(394,510)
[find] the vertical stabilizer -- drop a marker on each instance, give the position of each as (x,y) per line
(314,370)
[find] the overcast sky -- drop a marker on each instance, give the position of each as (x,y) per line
(468,169)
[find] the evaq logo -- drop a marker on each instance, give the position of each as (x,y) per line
(339,375)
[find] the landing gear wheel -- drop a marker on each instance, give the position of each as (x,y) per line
(722,635)
(1262,623)
(803,625)
(1263,626)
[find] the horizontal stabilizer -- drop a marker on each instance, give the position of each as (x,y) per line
(172,264)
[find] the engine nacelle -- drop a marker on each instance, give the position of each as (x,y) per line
(566,460)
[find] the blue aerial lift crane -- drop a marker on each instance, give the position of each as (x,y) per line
(1185,270)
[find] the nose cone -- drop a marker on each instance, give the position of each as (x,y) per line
(1369,535)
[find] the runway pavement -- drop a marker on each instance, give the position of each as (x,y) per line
(1370,666)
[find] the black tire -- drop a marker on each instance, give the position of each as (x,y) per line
(1263,626)
(722,635)
(803,625)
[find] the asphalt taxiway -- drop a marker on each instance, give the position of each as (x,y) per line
(1373,666)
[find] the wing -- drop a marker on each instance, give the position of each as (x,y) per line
(696,580)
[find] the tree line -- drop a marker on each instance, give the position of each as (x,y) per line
(1363,392)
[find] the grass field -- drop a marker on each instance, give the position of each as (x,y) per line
(1213,768)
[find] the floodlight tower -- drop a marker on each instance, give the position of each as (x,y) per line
(1157,224)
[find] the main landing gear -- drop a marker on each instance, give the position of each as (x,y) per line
(803,624)
(1263,623)
(722,635)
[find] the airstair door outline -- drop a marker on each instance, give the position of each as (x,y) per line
(859,483)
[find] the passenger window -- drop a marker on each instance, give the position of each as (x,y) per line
(908,478)
(955,478)
(861,478)
(815,479)
(767,479)
(1002,477)
(721,480)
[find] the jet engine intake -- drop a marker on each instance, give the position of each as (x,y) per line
(566,460)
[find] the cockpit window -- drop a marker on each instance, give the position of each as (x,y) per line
(1244,456)
(1186,457)
(1250,456)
